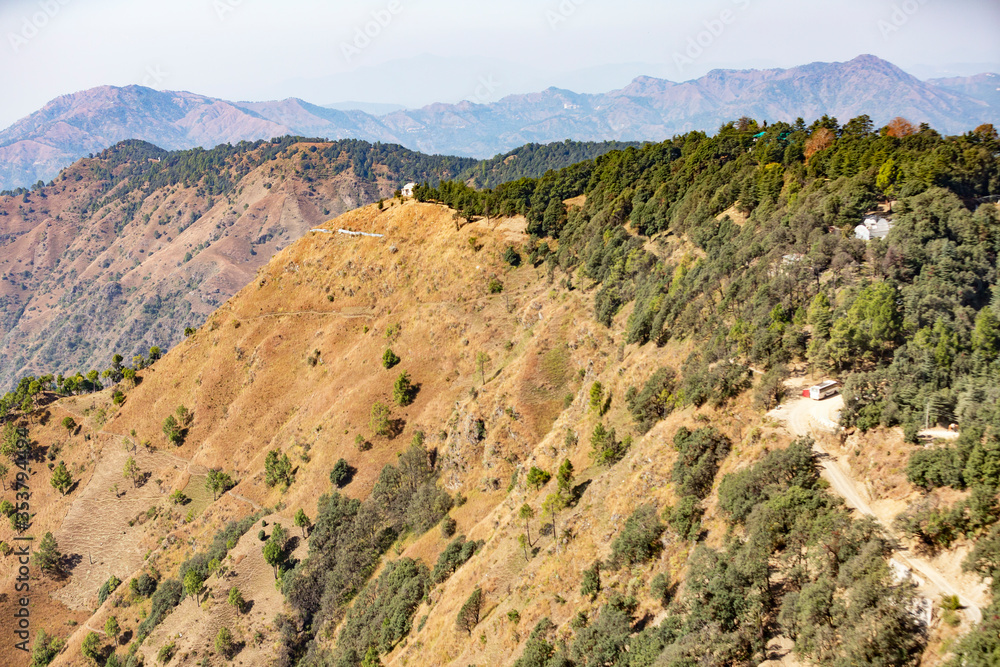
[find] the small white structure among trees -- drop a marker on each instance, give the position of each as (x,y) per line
(873,228)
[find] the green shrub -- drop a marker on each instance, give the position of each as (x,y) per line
(685,517)
(661,589)
(512,256)
(591,584)
(166,652)
(655,401)
(389,358)
(456,554)
(144,585)
(107,588)
(639,539)
(537,478)
(387,616)
(793,466)
(340,475)
(167,596)
(701,452)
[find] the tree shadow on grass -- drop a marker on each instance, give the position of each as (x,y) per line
(641,624)
(578,492)
(396,427)
(67,564)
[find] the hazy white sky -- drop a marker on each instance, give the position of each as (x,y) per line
(317,50)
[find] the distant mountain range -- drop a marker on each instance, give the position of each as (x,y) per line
(73,126)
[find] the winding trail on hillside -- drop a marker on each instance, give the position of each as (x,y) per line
(370,314)
(803,416)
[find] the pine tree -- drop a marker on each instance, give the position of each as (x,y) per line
(565,479)
(112,629)
(272,555)
(402,390)
(371,658)
(468,615)
(596,397)
(218,482)
(193,583)
(341,473)
(389,358)
(482,359)
(591,584)
(553,504)
(236,599)
(224,642)
(379,419)
(131,470)
(91,648)
(820,316)
(302,521)
(61,480)
(47,556)
(527,514)
(277,469)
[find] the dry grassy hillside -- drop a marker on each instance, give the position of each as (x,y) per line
(293,362)
(83,275)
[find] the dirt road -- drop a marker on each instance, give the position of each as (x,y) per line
(803,416)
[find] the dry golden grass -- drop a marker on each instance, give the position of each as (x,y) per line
(421,290)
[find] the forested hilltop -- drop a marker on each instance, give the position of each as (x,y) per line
(909,323)
(535,425)
(533,160)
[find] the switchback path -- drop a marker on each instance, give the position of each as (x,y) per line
(805,417)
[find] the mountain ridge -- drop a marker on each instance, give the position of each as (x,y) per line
(127,249)
(75,125)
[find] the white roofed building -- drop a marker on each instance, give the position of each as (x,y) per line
(873,228)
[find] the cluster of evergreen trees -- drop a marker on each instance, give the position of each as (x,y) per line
(911,322)
(348,539)
(537,159)
(26,394)
(794,564)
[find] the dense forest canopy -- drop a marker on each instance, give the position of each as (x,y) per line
(911,321)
